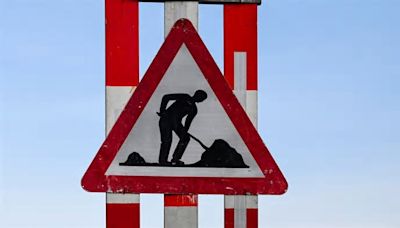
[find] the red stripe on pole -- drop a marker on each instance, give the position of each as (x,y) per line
(240,35)
(122,42)
(180,201)
(252,218)
(229,218)
(123,215)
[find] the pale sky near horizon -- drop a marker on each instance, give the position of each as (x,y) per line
(329,91)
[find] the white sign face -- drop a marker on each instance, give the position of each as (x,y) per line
(161,129)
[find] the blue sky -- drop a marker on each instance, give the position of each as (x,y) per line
(329,79)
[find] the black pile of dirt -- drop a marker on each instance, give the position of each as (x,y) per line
(134,159)
(221,155)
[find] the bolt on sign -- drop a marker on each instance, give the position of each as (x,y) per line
(183,131)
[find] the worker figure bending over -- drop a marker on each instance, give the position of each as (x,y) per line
(171,120)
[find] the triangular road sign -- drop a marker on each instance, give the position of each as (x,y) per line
(183,131)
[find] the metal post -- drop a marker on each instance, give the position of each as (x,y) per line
(174,11)
(122,77)
(180,211)
(240,51)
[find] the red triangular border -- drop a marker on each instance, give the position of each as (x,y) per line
(95,179)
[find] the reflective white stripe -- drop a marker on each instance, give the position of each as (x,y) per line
(240,212)
(251,106)
(180,217)
(116,198)
(252,202)
(247,98)
(176,10)
(229,202)
(116,99)
(240,72)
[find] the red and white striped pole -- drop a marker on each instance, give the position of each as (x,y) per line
(122,77)
(240,61)
(180,211)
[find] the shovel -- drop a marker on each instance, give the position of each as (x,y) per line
(198,140)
